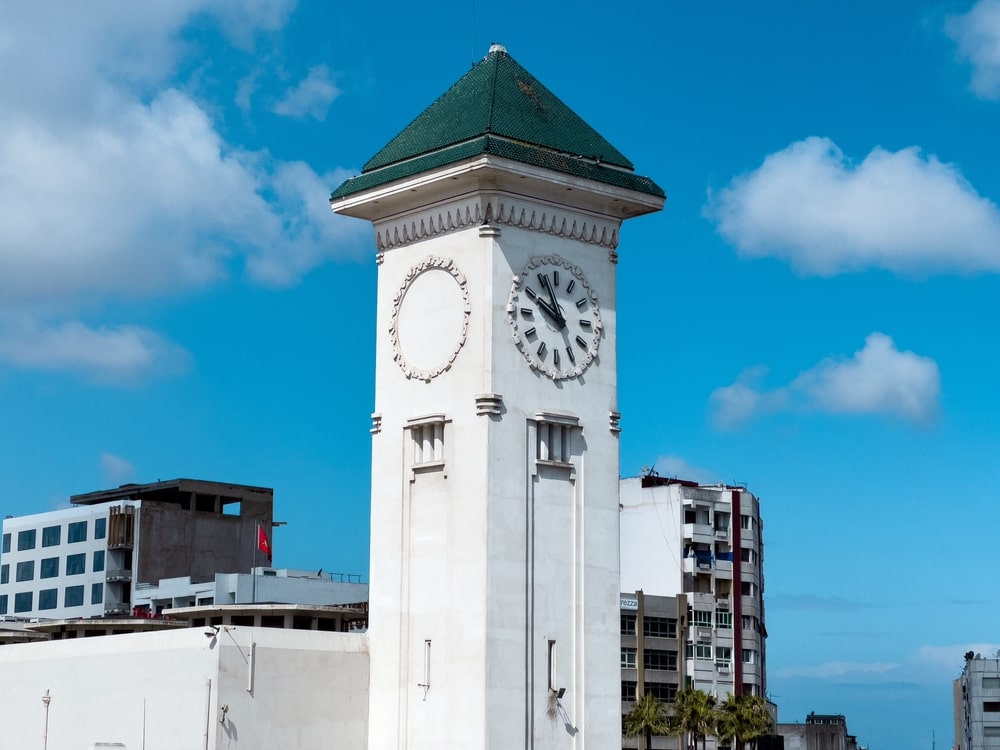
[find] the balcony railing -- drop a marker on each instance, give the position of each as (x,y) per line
(118,575)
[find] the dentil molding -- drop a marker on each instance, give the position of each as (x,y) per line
(495,212)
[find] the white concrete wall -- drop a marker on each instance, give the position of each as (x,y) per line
(651,538)
(165,690)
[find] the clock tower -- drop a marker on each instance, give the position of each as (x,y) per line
(494,618)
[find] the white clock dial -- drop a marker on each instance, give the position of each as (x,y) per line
(555,317)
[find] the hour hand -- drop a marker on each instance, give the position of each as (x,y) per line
(552,295)
(557,318)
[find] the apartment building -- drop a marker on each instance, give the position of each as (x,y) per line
(977,703)
(86,561)
(701,544)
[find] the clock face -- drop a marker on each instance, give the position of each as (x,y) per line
(555,317)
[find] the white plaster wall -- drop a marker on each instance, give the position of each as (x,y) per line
(651,538)
(151,690)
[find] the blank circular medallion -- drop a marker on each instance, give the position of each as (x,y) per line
(430,318)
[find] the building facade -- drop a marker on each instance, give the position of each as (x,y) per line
(819,732)
(494,550)
(702,542)
(977,704)
(87,560)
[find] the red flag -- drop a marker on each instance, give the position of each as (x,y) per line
(262,544)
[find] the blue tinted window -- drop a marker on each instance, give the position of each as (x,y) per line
(74,596)
(49,568)
(98,561)
(26,570)
(22,601)
(97,593)
(51,536)
(100,528)
(77,532)
(3,604)
(6,543)
(76,564)
(25,540)
(48,598)
(4,574)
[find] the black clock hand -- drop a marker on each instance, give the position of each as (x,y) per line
(558,319)
(552,297)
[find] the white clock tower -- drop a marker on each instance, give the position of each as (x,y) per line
(494,621)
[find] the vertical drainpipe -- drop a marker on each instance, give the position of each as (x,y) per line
(736,524)
(208,710)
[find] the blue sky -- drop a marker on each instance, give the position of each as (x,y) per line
(813,314)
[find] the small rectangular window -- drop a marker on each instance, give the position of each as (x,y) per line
(749,656)
(77,532)
(49,568)
(25,571)
(74,596)
(991,683)
(76,564)
(23,602)
(4,574)
(628,658)
(48,598)
(628,624)
(97,593)
(6,544)
(659,627)
(427,437)
(723,619)
(701,618)
(662,691)
(628,691)
(25,540)
(98,561)
(653,658)
(991,730)
(100,528)
(3,604)
(703,650)
(51,537)
(992,706)
(744,522)
(723,656)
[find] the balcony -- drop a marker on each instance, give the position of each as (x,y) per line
(118,609)
(118,575)
(699,532)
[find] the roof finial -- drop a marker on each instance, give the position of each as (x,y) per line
(498,48)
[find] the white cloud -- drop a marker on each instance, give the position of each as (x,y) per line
(123,354)
(116,182)
(836,669)
(311,97)
(116,469)
(809,205)
(878,379)
(977,34)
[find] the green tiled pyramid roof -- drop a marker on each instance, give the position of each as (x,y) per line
(499,108)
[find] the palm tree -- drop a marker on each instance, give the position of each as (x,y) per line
(647,717)
(694,716)
(743,718)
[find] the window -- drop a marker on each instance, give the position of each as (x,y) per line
(628,691)
(48,598)
(701,618)
(97,593)
(703,650)
(23,601)
(77,532)
(662,691)
(723,656)
(74,596)
(659,627)
(100,528)
(747,621)
(991,730)
(722,522)
(98,561)
(4,574)
(749,656)
(628,624)
(76,564)
(992,706)
(628,658)
(656,659)
(3,604)
(49,567)
(723,618)
(748,589)
(51,537)
(25,570)
(555,441)
(25,540)
(6,543)
(991,683)
(746,522)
